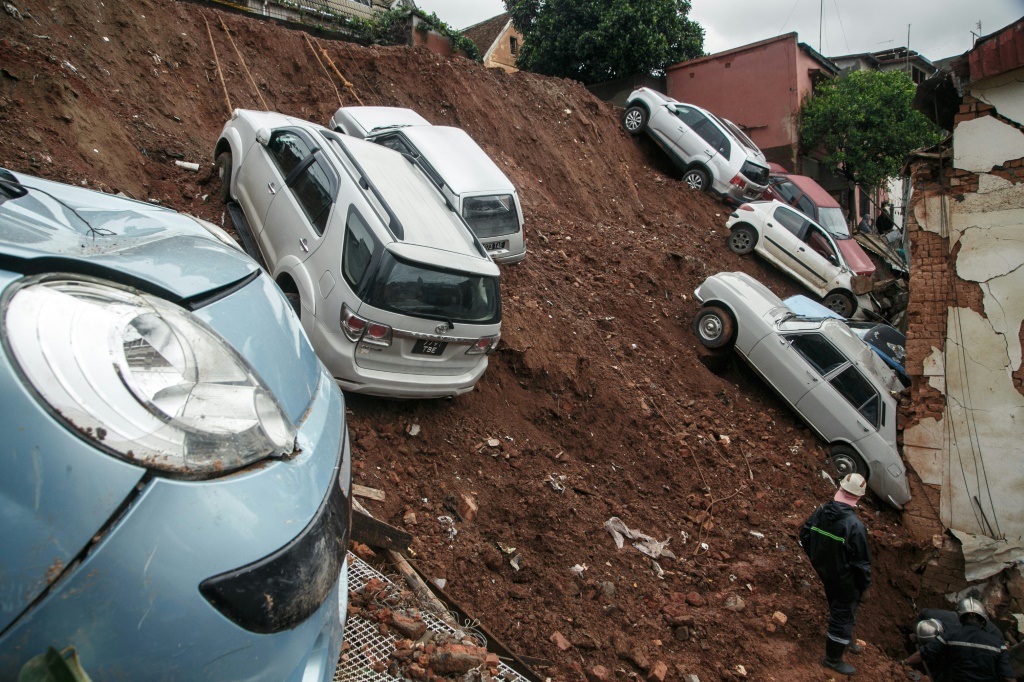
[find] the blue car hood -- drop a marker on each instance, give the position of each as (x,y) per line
(145,243)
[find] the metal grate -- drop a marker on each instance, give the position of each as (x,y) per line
(366,645)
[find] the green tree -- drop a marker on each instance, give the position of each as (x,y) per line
(600,40)
(866,124)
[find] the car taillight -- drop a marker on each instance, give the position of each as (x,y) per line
(352,324)
(358,328)
(745,207)
(379,334)
(484,346)
(738,181)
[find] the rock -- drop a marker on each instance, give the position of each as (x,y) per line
(457,658)
(734,602)
(411,627)
(639,658)
(695,599)
(363,552)
(409,519)
(779,618)
(492,558)
(416,672)
(492,661)
(658,672)
(608,589)
(468,507)
(586,642)
(681,633)
(674,613)
(599,673)
(740,671)
(560,641)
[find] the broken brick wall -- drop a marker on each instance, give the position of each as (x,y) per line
(964,421)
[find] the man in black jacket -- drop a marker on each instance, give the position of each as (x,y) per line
(970,654)
(837,544)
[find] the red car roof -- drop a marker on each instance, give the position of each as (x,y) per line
(814,191)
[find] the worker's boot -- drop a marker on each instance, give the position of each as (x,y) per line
(834,658)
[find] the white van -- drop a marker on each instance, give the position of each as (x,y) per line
(467,177)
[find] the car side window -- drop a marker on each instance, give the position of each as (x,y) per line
(691,117)
(358,250)
(818,241)
(806,205)
(715,137)
(288,150)
(395,142)
(789,219)
(816,350)
(852,385)
(312,190)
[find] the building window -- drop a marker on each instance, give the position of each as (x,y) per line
(513,45)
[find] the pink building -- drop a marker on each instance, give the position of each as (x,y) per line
(760,87)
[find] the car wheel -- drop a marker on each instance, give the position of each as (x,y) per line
(635,120)
(846,460)
(223,169)
(840,302)
(714,327)
(696,179)
(742,239)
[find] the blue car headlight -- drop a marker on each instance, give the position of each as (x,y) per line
(146,380)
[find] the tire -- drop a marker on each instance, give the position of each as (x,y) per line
(714,327)
(696,179)
(742,240)
(223,169)
(840,303)
(846,460)
(635,120)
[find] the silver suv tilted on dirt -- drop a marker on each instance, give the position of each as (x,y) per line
(398,296)
(714,154)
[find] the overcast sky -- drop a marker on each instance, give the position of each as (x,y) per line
(938,28)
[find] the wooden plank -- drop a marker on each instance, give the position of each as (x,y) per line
(419,588)
(370,531)
(368,493)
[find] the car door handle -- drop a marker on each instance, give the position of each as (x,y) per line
(801,249)
(769,225)
(304,244)
(813,376)
(270,188)
(862,427)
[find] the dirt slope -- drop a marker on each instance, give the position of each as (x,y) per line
(599,398)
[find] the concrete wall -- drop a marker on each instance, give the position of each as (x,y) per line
(501,56)
(966,415)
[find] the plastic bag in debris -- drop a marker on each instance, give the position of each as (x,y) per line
(645,543)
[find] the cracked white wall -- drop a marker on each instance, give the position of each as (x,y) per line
(977,448)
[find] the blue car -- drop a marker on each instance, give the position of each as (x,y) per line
(175,494)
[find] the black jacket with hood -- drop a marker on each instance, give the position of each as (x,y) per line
(837,544)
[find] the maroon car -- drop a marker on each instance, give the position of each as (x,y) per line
(810,198)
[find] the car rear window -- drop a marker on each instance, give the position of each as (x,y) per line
(755,173)
(418,290)
(358,250)
(491,216)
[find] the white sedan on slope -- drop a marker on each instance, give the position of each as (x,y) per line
(802,249)
(827,374)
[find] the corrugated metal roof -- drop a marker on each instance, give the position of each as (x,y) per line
(998,52)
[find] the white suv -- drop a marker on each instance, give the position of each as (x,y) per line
(474,184)
(398,296)
(715,155)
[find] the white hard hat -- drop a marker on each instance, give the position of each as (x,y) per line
(854,484)
(970,605)
(927,630)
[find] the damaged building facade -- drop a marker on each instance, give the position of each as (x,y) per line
(964,431)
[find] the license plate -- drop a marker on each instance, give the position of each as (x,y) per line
(495,246)
(425,347)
